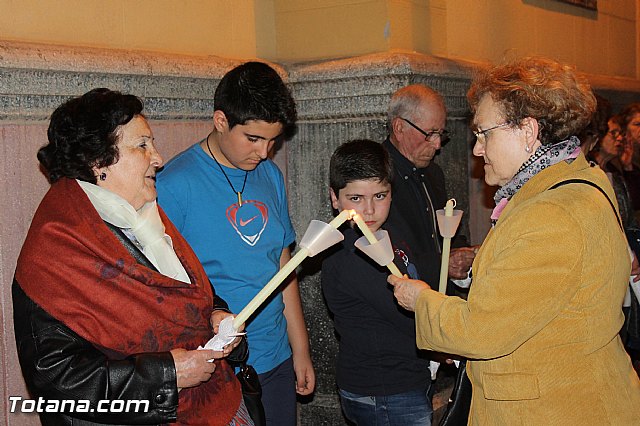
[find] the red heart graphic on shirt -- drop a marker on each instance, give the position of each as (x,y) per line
(249,220)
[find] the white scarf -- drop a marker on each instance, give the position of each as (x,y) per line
(145,224)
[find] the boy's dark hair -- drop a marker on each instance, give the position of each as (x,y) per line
(360,159)
(255,91)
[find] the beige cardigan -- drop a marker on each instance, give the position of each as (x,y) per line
(541,323)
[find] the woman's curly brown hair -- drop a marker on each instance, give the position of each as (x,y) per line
(540,88)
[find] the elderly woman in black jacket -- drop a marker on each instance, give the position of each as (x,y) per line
(110,302)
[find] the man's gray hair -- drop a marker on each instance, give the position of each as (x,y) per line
(407,102)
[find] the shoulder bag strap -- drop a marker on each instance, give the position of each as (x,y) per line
(587,182)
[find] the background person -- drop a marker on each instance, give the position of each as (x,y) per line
(631,125)
(109,300)
(611,147)
(602,143)
(630,121)
(540,326)
(592,136)
(228,200)
(416,120)
(603,146)
(382,378)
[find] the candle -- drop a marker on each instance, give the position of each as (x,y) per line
(283,273)
(446,247)
(342,218)
(266,291)
(372,240)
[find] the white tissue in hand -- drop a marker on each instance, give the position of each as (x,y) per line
(433,369)
(226,334)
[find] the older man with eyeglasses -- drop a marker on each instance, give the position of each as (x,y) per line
(416,121)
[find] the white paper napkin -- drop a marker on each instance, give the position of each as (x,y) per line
(226,334)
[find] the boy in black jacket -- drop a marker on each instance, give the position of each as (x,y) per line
(382,377)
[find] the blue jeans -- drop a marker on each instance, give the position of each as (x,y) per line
(402,409)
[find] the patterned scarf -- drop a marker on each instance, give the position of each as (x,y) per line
(545,156)
(75,268)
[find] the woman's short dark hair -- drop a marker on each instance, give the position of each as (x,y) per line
(255,91)
(552,93)
(83,133)
(360,159)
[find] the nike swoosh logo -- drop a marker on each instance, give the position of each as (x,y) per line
(245,222)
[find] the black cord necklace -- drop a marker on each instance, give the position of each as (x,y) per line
(225,175)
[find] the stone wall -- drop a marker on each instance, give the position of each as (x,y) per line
(337,101)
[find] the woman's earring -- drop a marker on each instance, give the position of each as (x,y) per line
(103,176)
(527,148)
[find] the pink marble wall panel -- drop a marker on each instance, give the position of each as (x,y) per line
(174,137)
(23,185)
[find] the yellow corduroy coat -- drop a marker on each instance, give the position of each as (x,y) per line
(541,322)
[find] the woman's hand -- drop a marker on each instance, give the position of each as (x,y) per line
(627,155)
(192,367)
(216,317)
(407,291)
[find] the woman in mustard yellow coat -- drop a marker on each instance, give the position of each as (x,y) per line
(540,326)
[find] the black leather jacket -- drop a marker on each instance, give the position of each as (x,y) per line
(58,364)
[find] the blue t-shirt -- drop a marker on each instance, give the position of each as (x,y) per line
(239,247)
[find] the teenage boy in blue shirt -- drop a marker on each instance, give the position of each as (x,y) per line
(228,200)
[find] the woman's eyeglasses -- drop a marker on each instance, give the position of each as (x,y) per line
(430,135)
(483,133)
